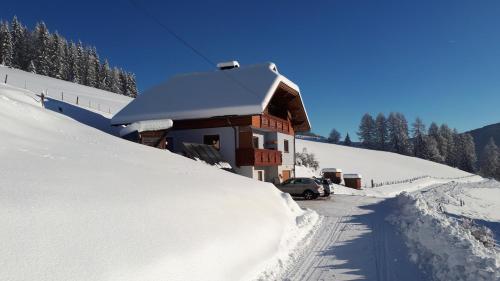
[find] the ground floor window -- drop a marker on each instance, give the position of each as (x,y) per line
(260,175)
(212,140)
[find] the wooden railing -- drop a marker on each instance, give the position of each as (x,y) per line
(258,157)
(275,123)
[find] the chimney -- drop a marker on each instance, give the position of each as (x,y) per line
(228,65)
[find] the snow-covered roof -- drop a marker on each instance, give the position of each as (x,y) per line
(353,176)
(147,125)
(331,170)
(245,90)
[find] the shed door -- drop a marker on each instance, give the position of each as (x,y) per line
(286,174)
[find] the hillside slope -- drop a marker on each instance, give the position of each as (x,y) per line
(482,136)
(57,89)
(80,204)
(377,165)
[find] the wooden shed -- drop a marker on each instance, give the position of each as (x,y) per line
(334,174)
(353,180)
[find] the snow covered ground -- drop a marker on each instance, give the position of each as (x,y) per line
(80,204)
(452,229)
(88,97)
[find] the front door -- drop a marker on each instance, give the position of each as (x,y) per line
(285,174)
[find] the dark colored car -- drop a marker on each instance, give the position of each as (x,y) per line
(327,185)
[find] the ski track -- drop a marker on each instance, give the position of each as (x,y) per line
(354,242)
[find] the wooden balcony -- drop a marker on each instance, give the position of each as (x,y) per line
(266,121)
(257,157)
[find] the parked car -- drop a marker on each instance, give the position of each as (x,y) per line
(327,185)
(302,187)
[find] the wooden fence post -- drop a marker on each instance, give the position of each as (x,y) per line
(76,99)
(6,75)
(62,95)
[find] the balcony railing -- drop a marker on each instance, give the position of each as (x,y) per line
(276,124)
(258,157)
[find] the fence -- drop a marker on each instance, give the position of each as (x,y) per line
(410,180)
(62,95)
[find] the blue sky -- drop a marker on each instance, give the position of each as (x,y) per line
(439,60)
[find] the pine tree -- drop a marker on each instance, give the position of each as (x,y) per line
(132,86)
(429,149)
(334,136)
(381,134)
(445,145)
(366,131)
(81,64)
(123,83)
(18,34)
(347,140)
(464,152)
(56,54)
(418,130)
(489,165)
(42,41)
(115,81)
(104,80)
(397,126)
(6,48)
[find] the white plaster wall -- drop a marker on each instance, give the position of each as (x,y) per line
(261,138)
(288,158)
(226,135)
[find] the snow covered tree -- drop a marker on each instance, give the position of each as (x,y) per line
(445,142)
(347,140)
(42,41)
(464,156)
(72,63)
(6,48)
(489,165)
(418,131)
(131,85)
(56,54)
(366,131)
(104,77)
(20,55)
(429,149)
(397,127)
(334,136)
(381,134)
(114,83)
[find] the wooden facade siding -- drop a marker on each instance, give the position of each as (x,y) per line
(258,157)
(263,121)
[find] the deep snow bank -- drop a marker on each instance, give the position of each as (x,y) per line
(79,204)
(444,243)
(377,165)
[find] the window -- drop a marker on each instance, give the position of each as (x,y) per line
(286,146)
(255,142)
(170,143)
(260,175)
(212,140)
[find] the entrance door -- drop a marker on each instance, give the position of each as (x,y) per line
(285,174)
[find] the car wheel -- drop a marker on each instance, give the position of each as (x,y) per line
(308,195)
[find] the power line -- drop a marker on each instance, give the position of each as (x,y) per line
(173,33)
(191,47)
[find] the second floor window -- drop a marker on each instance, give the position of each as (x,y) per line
(212,140)
(286,147)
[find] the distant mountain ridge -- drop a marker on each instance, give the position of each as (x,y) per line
(482,136)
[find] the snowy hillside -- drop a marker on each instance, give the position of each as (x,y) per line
(80,204)
(380,166)
(88,97)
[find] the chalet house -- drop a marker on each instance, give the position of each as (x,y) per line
(249,114)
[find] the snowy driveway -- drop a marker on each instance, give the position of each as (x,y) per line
(354,243)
